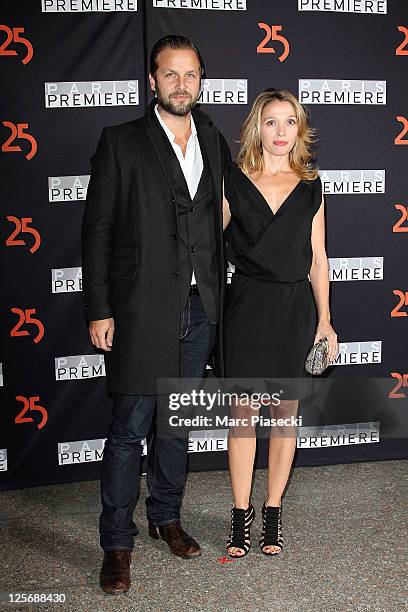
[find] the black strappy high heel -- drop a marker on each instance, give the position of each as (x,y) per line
(271,528)
(241,521)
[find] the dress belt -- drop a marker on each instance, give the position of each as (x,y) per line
(300,280)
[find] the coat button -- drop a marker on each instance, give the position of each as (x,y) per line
(174,237)
(173,201)
(191,208)
(176,274)
(193,249)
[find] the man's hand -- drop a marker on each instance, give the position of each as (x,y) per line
(101,333)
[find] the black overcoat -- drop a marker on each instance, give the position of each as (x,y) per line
(130,250)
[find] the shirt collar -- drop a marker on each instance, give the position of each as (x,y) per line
(169,133)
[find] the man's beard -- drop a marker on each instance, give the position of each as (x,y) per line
(180,109)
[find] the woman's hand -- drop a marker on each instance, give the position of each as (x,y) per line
(325,330)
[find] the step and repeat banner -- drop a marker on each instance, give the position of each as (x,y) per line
(71,67)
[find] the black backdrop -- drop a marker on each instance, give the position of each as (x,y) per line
(54,408)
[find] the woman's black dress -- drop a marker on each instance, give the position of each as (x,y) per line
(270,318)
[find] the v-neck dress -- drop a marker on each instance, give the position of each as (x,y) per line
(270,318)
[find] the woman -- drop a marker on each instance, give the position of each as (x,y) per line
(274,210)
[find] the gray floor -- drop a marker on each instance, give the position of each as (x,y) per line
(345,531)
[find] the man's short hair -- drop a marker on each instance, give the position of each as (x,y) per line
(173,42)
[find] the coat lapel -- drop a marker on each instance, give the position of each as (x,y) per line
(208,138)
(159,145)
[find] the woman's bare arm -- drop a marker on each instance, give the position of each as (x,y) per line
(226,213)
(319,277)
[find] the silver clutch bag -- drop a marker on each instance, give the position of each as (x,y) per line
(317,359)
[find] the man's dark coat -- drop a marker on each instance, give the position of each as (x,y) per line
(130,250)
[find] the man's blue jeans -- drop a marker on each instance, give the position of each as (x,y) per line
(132,420)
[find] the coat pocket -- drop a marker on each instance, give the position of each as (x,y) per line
(124,262)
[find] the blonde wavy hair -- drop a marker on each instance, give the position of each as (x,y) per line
(250,156)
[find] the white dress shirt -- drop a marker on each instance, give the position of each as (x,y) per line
(192,164)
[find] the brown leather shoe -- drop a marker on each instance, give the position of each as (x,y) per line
(115,572)
(179,542)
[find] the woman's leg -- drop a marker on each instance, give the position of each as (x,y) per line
(241,455)
(282,445)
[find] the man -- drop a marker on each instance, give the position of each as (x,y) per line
(153,279)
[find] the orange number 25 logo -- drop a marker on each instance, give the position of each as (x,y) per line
(395,393)
(400,138)
(17,131)
(403,301)
(22,226)
(272,33)
(13,35)
(398,226)
(25,317)
(30,405)
(401,50)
